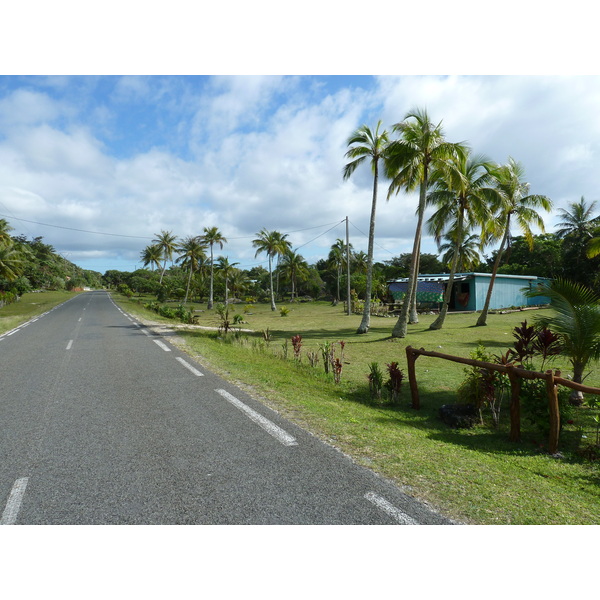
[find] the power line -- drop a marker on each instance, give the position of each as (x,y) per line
(374,242)
(139,237)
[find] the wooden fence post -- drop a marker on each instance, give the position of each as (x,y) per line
(515,405)
(552,391)
(411,358)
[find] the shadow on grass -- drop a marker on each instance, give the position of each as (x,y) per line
(481,438)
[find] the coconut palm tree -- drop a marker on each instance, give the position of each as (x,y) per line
(152,255)
(4,229)
(359,260)
(463,195)
(468,252)
(239,282)
(411,158)
(212,236)
(337,260)
(284,245)
(516,205)
(12,261)
(191,253)
(226,269)
(576,320)
(273,244)
(294,267)
(367,144)
(167,242)
(578,220)
(578,229)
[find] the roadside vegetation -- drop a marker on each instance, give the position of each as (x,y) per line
(473,475)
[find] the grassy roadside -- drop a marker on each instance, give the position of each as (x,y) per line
(29,306)
(473,476)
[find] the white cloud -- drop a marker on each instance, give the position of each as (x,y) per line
(269,152)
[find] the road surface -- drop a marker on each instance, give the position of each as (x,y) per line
(104,422)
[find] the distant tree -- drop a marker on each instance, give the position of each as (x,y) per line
(167,242)
(226,270)
(294,268)
(191,252)
(272,243)
(152,255)
(212,236)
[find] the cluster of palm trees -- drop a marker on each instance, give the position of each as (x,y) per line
(467,192)
(191,255)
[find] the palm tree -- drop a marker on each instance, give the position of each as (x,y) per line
(191,253)
(12,261)
(463,195)
(212,236)
(366,144)
(411,158)
(239,282)
(226,269)
(4,229)
(578,221)
(273,244)
(578,230)
(294,267)
(152,255)
(284,246)
(360,262)
(576,321)
(337,260)
(515,203)
(167,242)
(468,251)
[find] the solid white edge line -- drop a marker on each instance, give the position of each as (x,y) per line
(190,367)
(13,505)
(163,346)
(390,509)
(285,438)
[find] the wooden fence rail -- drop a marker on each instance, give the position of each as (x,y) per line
(515,374)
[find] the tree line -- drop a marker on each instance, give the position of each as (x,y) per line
(30,264)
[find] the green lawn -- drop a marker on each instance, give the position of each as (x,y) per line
(30,305)
(473,476)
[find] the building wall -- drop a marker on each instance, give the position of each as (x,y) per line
(507,292)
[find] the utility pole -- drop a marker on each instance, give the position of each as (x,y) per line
(349,309)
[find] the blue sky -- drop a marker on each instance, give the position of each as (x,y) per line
(131,155)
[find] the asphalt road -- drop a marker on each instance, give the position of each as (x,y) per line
(104,422)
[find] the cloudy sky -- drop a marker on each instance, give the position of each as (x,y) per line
(99,164)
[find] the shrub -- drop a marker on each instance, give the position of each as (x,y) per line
(284,311)
(297,345)
(375,378)
(394,382)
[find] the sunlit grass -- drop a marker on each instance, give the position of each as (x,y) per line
(474,475)
(30,305)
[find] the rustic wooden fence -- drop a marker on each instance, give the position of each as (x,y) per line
(515,374)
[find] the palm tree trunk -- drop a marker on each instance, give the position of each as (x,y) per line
(414,316)
(482,320)
(366,318)
(400,328)
(273,307)
(210,296)
(187,291)
(439,322)
(576,397)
